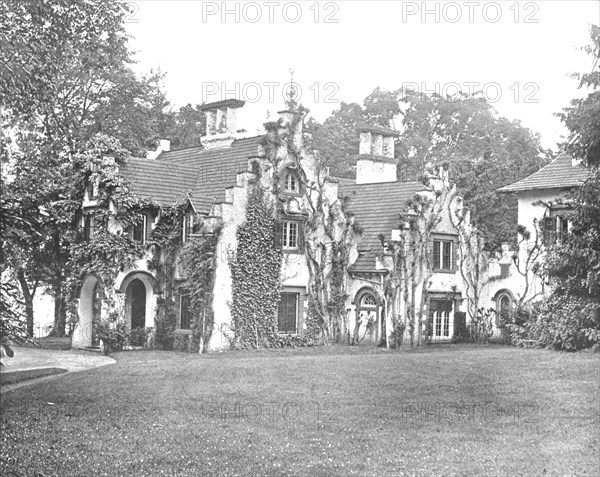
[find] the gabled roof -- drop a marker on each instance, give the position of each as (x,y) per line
(377,208)
(195,172)
(215,169)
(560,173)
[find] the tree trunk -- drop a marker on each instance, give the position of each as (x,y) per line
(28,298)
(60,313)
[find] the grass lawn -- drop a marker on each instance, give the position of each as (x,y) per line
(440,411)
(14,377)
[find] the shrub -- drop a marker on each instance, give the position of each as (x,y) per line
(561,322)
(112,333)
(166,320)
(482,325)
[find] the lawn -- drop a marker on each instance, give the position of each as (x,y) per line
(441,411)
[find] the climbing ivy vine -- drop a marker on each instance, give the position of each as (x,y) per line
(329,229)
(255,272)
(199,265)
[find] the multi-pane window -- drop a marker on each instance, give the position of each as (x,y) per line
(555,229)
(289,234)
(188,226)
(138,230)
(292,184)
(439,318)
(287,313)
(88,227)
(442,254)
(185,315)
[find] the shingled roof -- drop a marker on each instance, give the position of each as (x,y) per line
(195,172)
(377,208)
(558,174)
(164,183)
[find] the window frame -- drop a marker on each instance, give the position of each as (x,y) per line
(291,174)
(89,227)
(556,225)
(286,235)
(441,314)
(188,229)
(444,255)
(143,226)
(297,295)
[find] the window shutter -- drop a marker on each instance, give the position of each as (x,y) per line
(278,233)
(301,225)
(548,231)
(454,255)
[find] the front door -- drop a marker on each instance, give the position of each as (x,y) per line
(138,304)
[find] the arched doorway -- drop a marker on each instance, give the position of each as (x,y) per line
(90,312)
(96,310)
(367,312)
(137,291)
(139,304)
(504,308)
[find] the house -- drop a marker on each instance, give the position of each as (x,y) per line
(544,206)
(214,181)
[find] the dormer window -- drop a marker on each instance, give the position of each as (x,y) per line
(291,181)
(444,254)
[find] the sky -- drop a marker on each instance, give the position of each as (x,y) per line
(518,54)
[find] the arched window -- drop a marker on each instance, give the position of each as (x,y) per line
(368,300)
(504,308)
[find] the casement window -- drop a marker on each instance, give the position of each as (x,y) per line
(443,254)
(88,227)
(439,318)
(185,315)
(290,234)
(138,230)
(287,313)
(188,226)
(555,228)
(292,181)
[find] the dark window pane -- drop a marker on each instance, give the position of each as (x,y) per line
(436,254)
(447,253)
(287,313)
(184,310)
(138,231)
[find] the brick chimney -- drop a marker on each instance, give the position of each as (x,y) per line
(220,123)
(375,161)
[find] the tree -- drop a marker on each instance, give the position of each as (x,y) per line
(574,265)
(483,151)
(66,78)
